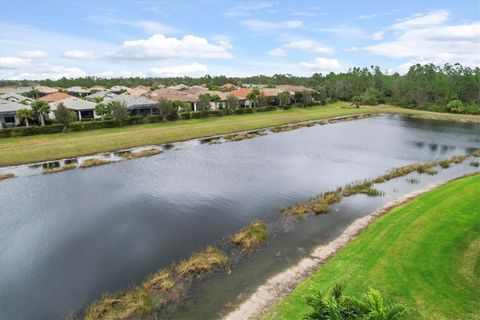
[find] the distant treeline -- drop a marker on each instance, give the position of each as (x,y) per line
(421,86)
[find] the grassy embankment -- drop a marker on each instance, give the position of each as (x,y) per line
(424,254)
(30,149)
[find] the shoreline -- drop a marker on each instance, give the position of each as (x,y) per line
(271,292)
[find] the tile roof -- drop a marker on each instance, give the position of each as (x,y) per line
(15,97)
(132,101)
(74,103)
(10,106)
(241,93)
(55,97)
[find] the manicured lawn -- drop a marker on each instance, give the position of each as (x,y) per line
(56,146)
(425,255)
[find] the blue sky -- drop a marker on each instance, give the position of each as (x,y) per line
(51,39)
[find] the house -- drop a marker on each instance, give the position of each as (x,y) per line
(100,94)
(97,88)
(118,89)
(44,90)
(180,86)
(241,94)
(136,105)
(77,91)
(83,108)
(195,90)
(228,87)
(139,91)
(8,113)
(15,97)
(175,95)
(53,97)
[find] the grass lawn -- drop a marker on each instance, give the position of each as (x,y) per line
(20,150)
(424,254)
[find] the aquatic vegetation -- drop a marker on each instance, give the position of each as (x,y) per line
(239,136)
(444,164)
(252,236)
(364,187)
(93,162)
(6,176)
(202,262)
(458,159)
(413,180)
(426,167)
(66,167)
(475,164)
(476,153)
(140,154)
(322,203)
(159,290)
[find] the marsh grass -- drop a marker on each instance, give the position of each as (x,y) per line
(458,159)
(476,154)
(93,162)
(444,164)
(245,135)
(66,167)
(413,180)
(475,164)
(140,154)
(252,236)
(6,176)
(364,187)
(159,290)
(202,262)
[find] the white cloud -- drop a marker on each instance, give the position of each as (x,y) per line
(374,15)
(223,40)
(79,54)
(345,31)
(427,20)
(428,39)
(263,25)
(353,49)
(321,65)
(243,9)
(150,27)
(120,74)
(13,62)
(277,52)
(159,47)
(378,35)
(32,54)
(194,69)
(47,71)
(308,45)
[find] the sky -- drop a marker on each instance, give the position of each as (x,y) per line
(42,39)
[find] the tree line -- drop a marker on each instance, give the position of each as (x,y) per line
(422,86)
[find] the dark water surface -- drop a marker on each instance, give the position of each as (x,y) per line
(67,238)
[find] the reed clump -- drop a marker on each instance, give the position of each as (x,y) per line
(252,236)
(66,167)
(239,137)
(140,154)
(322,203)
(458,159)
(6,176)
(202,262)
(476,153)
(364,187)
(159,290)
(93,162)
(444,164)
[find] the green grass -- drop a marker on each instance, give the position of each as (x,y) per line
(30,149)
(424,254)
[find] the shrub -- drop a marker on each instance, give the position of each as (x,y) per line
(338,306)
(152,119)
(455,106)
(475,164)
(184,115)
(195,115)
(216,113)
(287,107)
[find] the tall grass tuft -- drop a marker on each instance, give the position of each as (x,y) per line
(6,176)
(252,236)
(66,167)
(93,162)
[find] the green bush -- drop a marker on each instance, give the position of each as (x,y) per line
(287,107)
(184,115)
(152,119)
(195,115)
(455,106)
(216,113)
(173,117)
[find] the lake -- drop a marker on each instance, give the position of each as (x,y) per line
(67,238)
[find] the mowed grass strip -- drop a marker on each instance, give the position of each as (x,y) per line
(30,149)
(424,254)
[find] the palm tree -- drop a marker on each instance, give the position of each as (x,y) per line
(41,108)
(340,307)
(25,114)
(101,109)
(253,95)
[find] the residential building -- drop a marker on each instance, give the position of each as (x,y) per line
(100,94)
(18,98)
(118,89)
(44,90)
(53,97)
(140,91)
(97,88)
(136,105)
(77,91)
(8,113)
(83,108)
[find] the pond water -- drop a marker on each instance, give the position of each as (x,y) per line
(67,238)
